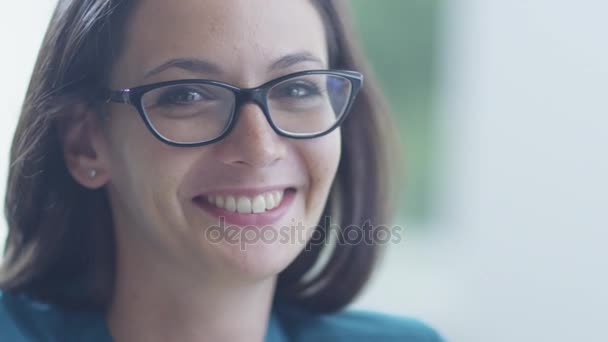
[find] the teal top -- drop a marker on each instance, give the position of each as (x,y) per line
(22,319)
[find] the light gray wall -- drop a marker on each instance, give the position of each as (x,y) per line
(524,131)
(22,25)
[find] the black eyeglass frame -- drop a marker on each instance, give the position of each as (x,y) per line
(258,95)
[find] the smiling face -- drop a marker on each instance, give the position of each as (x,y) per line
(166,200)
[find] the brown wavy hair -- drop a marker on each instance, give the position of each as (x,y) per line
(60,245)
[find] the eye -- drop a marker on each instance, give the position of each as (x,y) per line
(176,96)
(299,89)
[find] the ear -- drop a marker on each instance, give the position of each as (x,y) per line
(85,148)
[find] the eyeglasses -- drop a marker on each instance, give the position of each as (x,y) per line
(196,112)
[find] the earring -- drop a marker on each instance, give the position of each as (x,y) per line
(92,173)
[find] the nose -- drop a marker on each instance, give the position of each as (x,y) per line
(252,141)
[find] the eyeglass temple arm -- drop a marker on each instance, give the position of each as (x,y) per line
(353,74)
(118,96)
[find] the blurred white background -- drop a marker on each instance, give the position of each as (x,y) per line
(516,250)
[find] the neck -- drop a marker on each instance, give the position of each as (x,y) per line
(153,303)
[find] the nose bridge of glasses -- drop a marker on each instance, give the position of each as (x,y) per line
(251,95)
(255,96)
(251,123)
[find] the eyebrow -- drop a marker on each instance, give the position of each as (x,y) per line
(201,66)
(195,65)
(293,59)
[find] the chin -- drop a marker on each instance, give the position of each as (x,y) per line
(257,261)
(252,250)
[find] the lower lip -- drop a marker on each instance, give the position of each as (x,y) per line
(259,219)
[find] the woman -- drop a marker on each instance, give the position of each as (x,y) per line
(177,167)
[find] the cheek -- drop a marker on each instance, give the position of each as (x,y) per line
(327,156)
(322,157)
(137,153)
(145,172)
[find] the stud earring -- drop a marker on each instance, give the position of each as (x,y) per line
(92,173)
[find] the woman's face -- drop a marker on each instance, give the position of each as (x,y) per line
(159,192)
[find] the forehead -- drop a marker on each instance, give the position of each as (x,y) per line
(242,37)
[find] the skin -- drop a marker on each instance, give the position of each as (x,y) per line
(172,283)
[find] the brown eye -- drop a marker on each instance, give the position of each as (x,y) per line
(176,96)
(296,90)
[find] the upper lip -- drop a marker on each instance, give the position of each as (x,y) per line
(244,191)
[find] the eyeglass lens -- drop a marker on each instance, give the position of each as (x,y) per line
(196,112)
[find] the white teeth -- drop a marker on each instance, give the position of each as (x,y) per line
(258,205)
(247,205)
(243,205)
(230,204)
(269,200)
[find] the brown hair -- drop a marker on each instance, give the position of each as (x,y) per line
(60,244)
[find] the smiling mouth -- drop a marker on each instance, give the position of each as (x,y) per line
(263,208)
(242,204)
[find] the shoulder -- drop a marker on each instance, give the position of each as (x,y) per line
(22,319)
(354,325)
(8,326)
